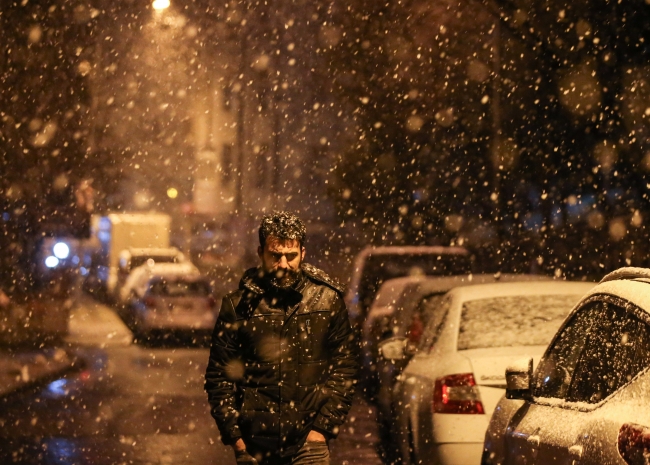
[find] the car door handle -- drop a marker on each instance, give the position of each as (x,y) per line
(575,452)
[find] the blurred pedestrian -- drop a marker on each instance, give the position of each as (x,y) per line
(283,359)
(4,300)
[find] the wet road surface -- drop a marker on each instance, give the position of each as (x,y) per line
(135,404)
(145,407)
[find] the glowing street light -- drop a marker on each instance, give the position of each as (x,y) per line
(61,250)
(160,4)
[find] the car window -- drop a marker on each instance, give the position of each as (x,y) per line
(510,321)
(428,308)
(379,268)
(389,295)
(617,350)
(407,316)
(438,307)
(553,375)
(135,280)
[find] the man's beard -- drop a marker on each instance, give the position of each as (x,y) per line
(283,278)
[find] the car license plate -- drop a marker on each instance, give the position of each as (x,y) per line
(183,308)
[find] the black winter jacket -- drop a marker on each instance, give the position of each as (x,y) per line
(282,362)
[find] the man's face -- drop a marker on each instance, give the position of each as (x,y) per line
(281,259)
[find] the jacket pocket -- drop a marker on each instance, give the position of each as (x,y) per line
(312,373)
(312,333)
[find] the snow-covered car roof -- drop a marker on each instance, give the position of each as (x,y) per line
(406,293)
(550,287)
(388,250)
(168,269)
(444,283)
(392,289)
(628,272)
(141,275)
(160,251)
(634,290)
(411,249)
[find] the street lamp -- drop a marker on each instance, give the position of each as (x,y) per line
(160,4)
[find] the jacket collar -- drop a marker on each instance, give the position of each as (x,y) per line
(253,281)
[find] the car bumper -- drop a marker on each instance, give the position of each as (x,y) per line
(464,453)
(203,321)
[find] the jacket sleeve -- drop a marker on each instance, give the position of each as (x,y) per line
(220,375)
(344,365)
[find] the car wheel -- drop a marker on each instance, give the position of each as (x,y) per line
(140,333)
(123,311)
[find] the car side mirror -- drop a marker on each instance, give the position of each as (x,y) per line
(519,376)
(393,349)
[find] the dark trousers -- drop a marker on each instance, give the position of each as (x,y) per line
(311,453)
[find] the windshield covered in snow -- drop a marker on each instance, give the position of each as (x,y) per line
(513,320)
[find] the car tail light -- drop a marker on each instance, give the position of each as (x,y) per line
(634,444)
(457,394)
(149,302)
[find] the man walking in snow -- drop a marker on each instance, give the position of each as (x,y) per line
(283,359)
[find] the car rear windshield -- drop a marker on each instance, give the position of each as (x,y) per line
(180,288)
(512,321)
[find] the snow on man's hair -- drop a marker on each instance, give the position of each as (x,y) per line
(283,225)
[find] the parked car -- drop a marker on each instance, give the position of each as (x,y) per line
(402,309)
(392,294)
(443,400)
(133,257)
(136,281)
(168,297)
(374,265)
(110,235)
(587,401)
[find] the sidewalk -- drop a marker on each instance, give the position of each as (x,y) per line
(95,324)
(27,367)
(358,441)
(90,325)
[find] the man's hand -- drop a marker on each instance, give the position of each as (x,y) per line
(315,436)
(241,456)
(239,445)
(4,299)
